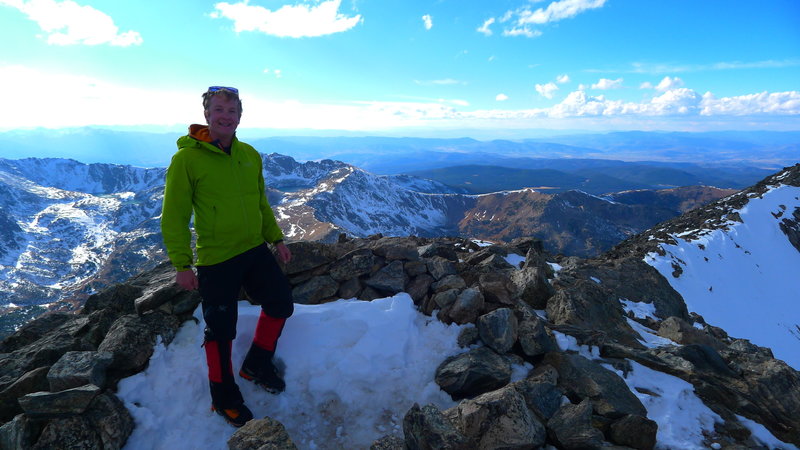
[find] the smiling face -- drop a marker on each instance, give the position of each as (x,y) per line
(222,116)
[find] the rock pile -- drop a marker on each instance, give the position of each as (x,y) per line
(58,373)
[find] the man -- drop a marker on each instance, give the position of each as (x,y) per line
(220,179)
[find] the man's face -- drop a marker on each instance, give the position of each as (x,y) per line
(222,116)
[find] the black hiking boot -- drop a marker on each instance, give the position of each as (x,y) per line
(236,416)
(259,369)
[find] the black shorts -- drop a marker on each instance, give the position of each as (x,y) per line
(255,270)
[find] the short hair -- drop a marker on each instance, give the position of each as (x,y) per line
(227,93)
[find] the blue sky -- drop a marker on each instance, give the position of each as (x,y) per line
(405,67)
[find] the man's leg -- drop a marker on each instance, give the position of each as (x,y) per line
(266,284)
(219,289)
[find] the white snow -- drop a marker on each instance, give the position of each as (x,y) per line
(515,259)
(681,415)
(353,369)
(640,310)
(744,279)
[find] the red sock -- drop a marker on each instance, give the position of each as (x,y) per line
(268,330)
(217,362)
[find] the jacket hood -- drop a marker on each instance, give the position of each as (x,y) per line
(200,132)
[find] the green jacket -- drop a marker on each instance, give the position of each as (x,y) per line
(226,194)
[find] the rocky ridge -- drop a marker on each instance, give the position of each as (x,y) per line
(58,373)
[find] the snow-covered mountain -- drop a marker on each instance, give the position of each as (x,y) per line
(736,262)
(69,229)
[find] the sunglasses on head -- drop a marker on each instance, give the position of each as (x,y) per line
(223,88)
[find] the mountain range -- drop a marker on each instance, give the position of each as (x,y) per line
(72,228)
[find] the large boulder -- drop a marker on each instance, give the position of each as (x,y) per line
(498,329)
(427,428)
(473,373)
(583,378)
(498,419)
(571,427)
(266,433)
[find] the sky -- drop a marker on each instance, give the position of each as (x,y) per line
(405,67)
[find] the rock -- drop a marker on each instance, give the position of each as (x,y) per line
(120,298)
(499,419)
(349,289)
(402,252)
(426,428)
(418,288)
(110,420)
(634,431)
(680,331)
(571,427)
(45,405)
(534,288)
(448,282)
(438,249)
(76,369)
(315,290)
(266,433)
(542,398)
(468,336)
(70,432)
(583,378)
(33,381)
(353,265)
(496,262)
(44,351)
(445,299)
(585,304)
(34,330)
(497,288)
(533,337)
(415,268)
(498,329)
(388,443)
(467,306)
(132,338)
(20,433)
(391,278)
(440,267)
(473,373)
(308,255)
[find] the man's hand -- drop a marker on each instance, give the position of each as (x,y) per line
(187,279)
(284,253)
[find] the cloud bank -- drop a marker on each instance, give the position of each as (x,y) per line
(68,23)
(293,21)
(520,22)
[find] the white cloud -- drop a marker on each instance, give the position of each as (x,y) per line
(485,27)
(662,68)
(428,21)
(293,21)
(561,79)
(605,84)
(559,10)
(524,18)
(547,90)
(52,100)
(68,23)
(668,83)
(646,85)
(275,72)
(522,31)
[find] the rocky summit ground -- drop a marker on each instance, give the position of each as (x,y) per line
(58,374)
